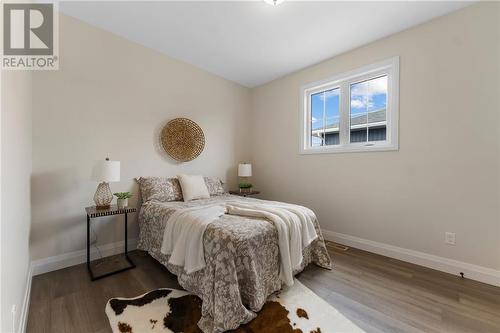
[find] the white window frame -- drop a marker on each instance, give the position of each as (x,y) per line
(389,67)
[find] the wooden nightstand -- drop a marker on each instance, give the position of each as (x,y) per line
(92,212)
(245,194)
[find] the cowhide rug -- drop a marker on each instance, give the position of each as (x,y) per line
(293,310)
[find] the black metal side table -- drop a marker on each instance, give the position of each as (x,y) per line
(92,212)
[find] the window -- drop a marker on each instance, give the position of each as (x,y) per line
(356,111)
(325,118)
(368,105)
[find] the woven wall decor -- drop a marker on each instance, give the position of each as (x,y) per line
(182,139)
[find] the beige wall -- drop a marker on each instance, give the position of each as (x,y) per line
(445,177)
(110,98)
(16,149)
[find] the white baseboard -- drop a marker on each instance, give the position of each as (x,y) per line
(54,263)
(49,264)
(473,272)
(23,319)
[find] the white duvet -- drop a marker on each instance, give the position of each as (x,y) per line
(183,237)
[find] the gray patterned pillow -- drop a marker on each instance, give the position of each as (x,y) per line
(160,189)
(215,186)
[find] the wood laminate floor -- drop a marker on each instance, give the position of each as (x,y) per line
(377,293)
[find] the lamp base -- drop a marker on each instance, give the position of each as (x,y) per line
(103,196)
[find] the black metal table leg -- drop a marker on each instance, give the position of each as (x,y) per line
(126,236)
(126,243)
(88,246)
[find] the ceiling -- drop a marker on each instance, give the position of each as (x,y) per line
(251,42)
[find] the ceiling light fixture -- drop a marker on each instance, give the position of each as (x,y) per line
(273,2)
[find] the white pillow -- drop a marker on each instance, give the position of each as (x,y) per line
(193,187)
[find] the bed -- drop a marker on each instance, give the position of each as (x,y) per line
(242,260)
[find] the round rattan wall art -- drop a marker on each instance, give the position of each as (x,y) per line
(182,139)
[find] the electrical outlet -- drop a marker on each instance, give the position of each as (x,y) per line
(449,238)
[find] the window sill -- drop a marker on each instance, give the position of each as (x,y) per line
(349,149)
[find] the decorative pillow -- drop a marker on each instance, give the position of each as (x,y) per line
(160,189)
(193,187)
(215,186)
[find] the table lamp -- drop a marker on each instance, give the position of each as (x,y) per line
(245,171)
(104,172)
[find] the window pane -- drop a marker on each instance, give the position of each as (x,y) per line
(317,120)
(368,110)
(325,118)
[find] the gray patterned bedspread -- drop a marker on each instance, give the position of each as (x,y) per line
(242,261)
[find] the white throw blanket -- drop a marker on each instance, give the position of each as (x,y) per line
(295,230)
(183,236)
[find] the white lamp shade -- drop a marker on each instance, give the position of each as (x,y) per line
(106,171)
(245,170)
